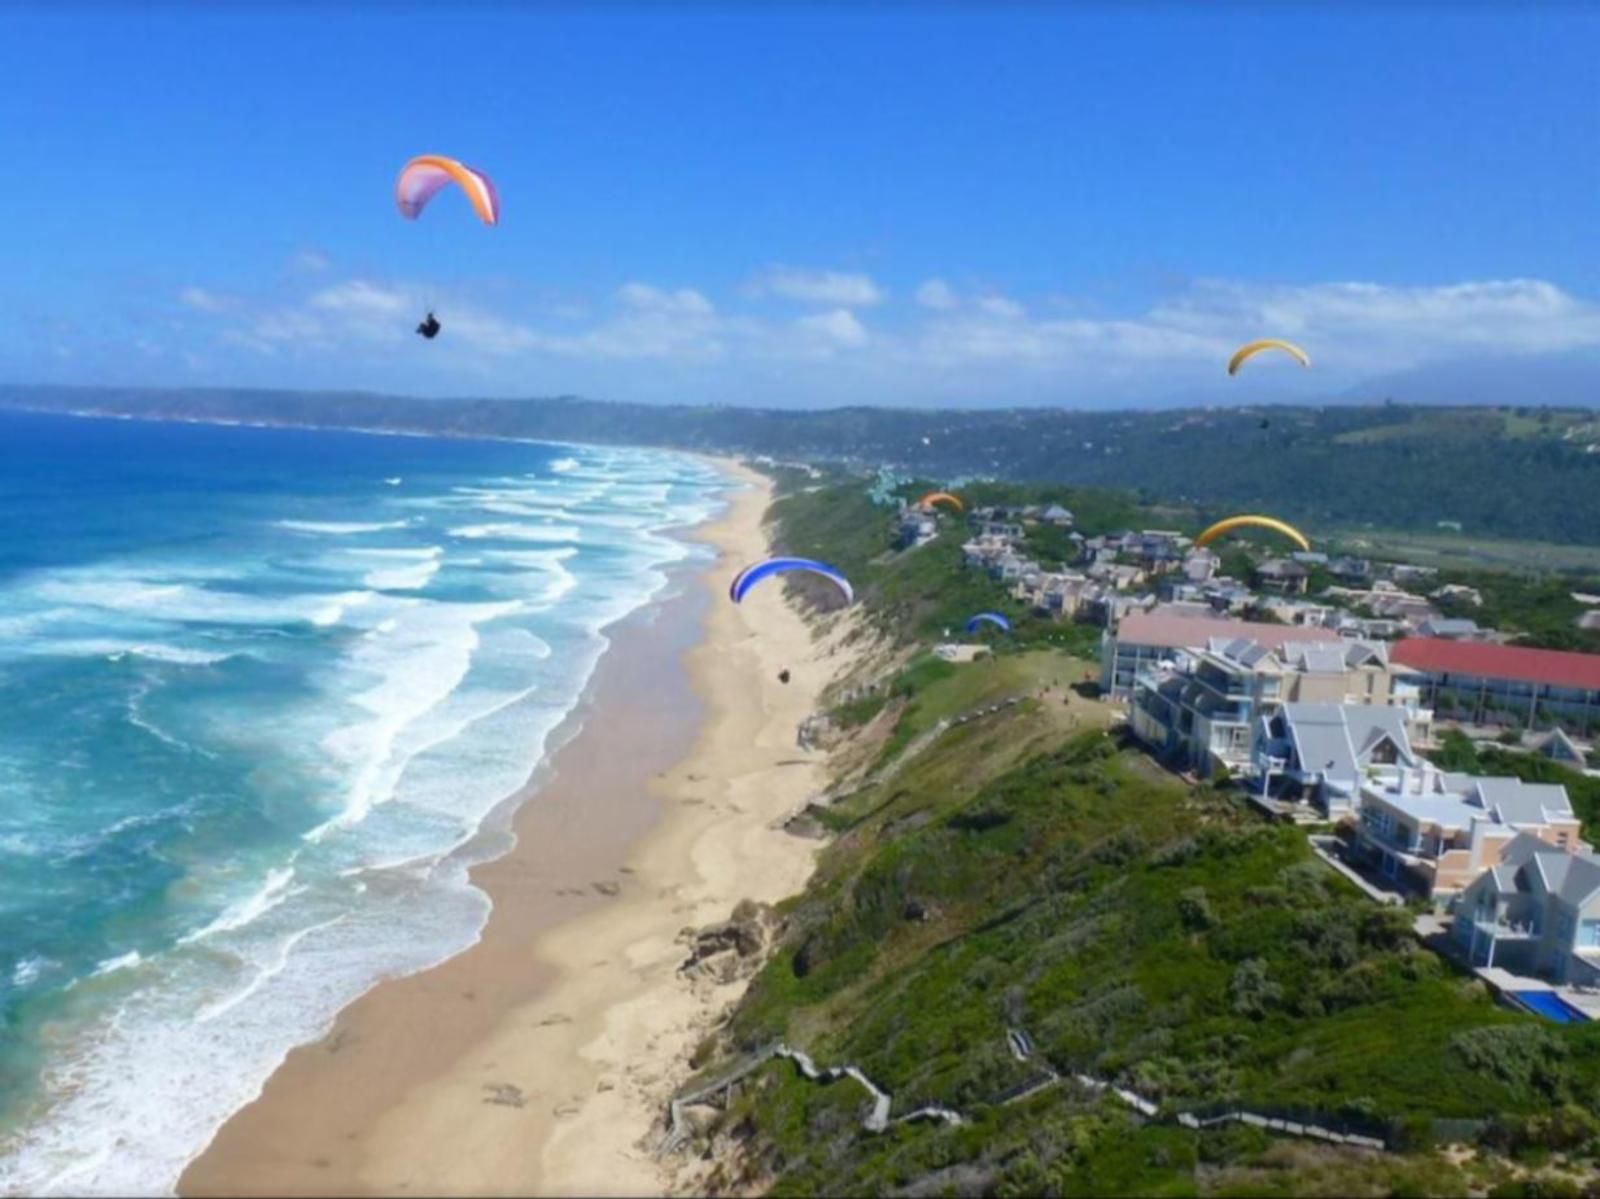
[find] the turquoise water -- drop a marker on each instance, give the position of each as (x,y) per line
(257,685)
(1549,1005)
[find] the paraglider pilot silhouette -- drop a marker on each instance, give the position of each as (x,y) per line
(430,327)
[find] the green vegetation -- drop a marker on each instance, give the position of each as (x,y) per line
(1139,931)
(1541,609)
(1457,752)
(925,594)
(933,690)
(1029,870)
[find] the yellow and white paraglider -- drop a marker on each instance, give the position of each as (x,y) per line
(1252,522)
(1250,349)
(927,502)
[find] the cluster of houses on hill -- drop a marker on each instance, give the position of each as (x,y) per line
(1113,575)
(1326,708)
(1338,729)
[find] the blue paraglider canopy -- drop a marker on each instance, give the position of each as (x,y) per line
(993,618)
(751,575)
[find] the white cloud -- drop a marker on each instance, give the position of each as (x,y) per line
(839,327)
(998,305)
(684,301)
(206,301)
(276,328)
(1375,325)
(360,298)
(938,295)
(835,288)
(984,348)
(308,262)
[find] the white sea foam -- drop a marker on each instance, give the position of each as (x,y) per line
(126,961)
(341,528)
(249,909)
(116,651)
(403,578)
(419,661)
(509,532)
(431,712)
(181,603)
(137,718)
(333,613)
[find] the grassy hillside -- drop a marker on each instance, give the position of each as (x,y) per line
(1028,870)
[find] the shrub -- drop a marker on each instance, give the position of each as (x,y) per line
(1194,909)
(1523,1056)
(1252,989)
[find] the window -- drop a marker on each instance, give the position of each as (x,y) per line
(1589,934)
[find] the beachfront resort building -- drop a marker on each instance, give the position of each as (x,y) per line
(1147,638)
(1202,708)
(1507,686)
(1436,830)
(1535,913)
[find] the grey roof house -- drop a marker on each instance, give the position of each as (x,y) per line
(1536,912)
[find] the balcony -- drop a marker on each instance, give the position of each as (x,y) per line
(1407,848)
(1505,930)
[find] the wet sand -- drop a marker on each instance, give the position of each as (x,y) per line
(537,1061)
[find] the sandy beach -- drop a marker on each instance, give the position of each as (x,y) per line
(538,1061)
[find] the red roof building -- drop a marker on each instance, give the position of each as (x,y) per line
(1507,686)
(1551,667)
(1145,637)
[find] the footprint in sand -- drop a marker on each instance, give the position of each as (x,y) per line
(503,1094)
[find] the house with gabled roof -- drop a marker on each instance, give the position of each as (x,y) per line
(1322,752)
(1204,707)
(1559,747)
(1536,911)
(1438,830)
(1282,574)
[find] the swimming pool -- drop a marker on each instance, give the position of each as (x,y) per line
(1549,1005)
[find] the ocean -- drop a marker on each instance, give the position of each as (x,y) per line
(256,685)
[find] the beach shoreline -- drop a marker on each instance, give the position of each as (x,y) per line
(537,1061)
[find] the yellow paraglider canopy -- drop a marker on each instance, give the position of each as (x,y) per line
(1255,522)
(933,497)
(1251,349)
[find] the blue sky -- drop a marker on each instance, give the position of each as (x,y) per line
(796,204)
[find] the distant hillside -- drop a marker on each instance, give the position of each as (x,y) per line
(1499,472)
(1548,380)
